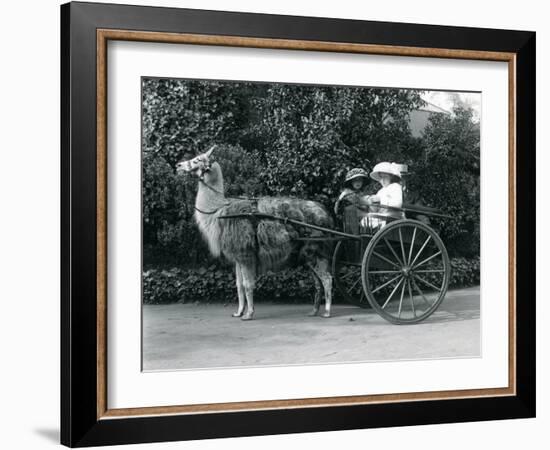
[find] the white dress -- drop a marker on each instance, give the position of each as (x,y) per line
(391,195)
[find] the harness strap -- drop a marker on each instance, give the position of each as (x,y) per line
(209,212)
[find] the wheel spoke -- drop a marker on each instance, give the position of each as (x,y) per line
(412,246)
(380,272)
(427,259)
(411,297)
(402,247)
(430,271)
(392,292)
(421,293)
(393,251)
(350,290)
(421,249)
(347,275)
(401,300)
(385,284)
(383,258)
(427,283)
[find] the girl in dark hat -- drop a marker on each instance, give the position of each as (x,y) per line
(355,186)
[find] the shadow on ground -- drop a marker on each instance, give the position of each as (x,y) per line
(49,434)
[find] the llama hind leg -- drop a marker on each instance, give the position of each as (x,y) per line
(240,291)
(317,297)
(321,269)
(327,286)
(249,282)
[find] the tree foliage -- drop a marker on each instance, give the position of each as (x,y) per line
(185,116)
(447,176)
(311,136)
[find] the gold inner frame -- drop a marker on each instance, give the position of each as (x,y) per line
(103,36)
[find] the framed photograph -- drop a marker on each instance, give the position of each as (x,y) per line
(278,224)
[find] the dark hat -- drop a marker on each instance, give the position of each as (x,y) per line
(356,173)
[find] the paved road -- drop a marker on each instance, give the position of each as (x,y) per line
(199,336)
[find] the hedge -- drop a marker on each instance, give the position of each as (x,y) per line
(209,285)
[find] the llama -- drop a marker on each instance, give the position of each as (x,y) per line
(255,246)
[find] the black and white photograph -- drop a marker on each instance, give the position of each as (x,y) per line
(275,225)
(294,224)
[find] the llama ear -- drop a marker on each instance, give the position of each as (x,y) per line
(209,152)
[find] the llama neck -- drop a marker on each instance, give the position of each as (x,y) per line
(210,199)
(210,195)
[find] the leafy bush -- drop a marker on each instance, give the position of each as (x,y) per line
(162,286)
(215,284)
(465,272)
(218,285)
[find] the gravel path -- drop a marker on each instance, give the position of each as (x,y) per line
(203,336)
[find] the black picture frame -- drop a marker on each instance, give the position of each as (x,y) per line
(80,424)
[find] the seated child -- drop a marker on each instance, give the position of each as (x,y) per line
(354,188)
(391,194)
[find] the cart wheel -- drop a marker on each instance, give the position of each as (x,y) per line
(346,272)
(405,271)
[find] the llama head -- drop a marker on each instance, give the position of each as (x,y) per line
(199,165)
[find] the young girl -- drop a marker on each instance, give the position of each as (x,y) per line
(354,188)
(391,194)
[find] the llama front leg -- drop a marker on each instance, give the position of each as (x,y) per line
(249,282)
(240,291)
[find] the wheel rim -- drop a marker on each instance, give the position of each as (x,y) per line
(346,272)
(405,271)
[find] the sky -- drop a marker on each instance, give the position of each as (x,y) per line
(447,100)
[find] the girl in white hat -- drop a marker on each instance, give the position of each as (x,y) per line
(391,194)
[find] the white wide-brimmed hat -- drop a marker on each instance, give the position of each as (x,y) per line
(385,167)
